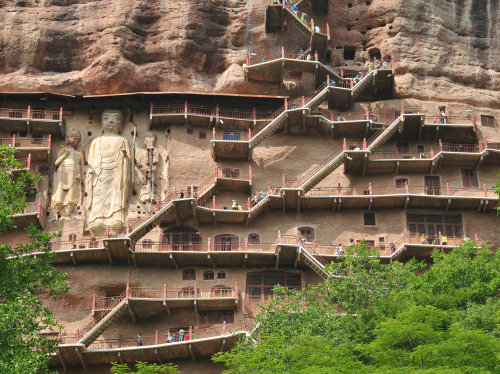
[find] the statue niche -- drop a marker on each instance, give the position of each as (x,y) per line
(108,176)
(66,193)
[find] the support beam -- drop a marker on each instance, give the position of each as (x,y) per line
(485,205)
(73,259)
(195,304)
(283,199)
(396,172)
(370,202)
(339,204)
(480,162)
(480,206)
(407,202)
(158,356)
(334,205)
(61,359)
(131,311)
(134,260)
(298,202)
(215,218)
(297,258)
(211,260)
(174,261)
(191,352)
(222,345)
(195,217)
(245,259)
(80,356)
(448,203)
(120,357)
(108,252)
(364,165)
(176,216)
(165,306)
(278,252)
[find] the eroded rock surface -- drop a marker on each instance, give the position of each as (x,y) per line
(442,48)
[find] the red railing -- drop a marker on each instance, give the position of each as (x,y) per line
(462,148)
(154,338)
(76,244)
(449,120)
(217,112)
(27,142)
(234,136)
(150,246)
(305,177)
(492,145)
(382,155)
(151,213)
(53,115)
(229,173)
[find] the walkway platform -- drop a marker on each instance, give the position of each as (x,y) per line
(32,121)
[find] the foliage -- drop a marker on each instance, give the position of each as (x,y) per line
(370,317)
(23,278)
(496,188)
(144,368)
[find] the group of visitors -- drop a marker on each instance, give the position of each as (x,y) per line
(236,206)
(179,336)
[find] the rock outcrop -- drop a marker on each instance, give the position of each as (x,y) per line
(442,49)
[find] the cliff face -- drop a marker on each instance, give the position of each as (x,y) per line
(442,48)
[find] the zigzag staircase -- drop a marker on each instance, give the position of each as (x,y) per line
(312,178)
(269,127)
(290,15)
(315,262)
(363,84)
(105,319)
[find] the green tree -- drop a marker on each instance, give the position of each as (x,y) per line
(23,278)
(144,368)
(375,318)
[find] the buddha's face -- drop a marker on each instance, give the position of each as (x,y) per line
(149,141)
(73,141)
(111,121)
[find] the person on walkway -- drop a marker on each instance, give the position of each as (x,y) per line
(422,239)
(240,207)
(341,249)
(444,240)
(308,57)
(181,335)
(168,339)
(276,191)
(393,248)
(234,206)
(384,64)
(182,195)
(139,340)
(370,68)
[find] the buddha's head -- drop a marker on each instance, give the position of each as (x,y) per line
(111,121)
(149,140)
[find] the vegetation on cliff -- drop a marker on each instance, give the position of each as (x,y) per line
(375,318)
(23,278)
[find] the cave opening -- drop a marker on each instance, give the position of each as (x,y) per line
(349,53)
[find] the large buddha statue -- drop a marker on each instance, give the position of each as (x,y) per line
(66,191)
(108,177)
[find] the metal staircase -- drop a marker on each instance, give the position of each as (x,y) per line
(315,262)
(269,127)
(384,134)
(290,15)
(363,84)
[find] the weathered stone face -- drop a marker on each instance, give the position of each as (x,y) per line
(442,49)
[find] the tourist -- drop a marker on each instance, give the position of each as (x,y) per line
(234,206)
(139,340)
(370,68)
(276,191)
(422,239)
(168,339)
(182,195)
(333,83)
(393,248)
(239,207)
(173,339)
(444,240)
(181,334)
(443,117)
(341,249)
(384,64)
(466,238)
(308,57)
(378,65)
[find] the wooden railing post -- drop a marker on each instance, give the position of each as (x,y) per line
(190,333)
(402,108)
(367,114)
(248,203)
(282,52)
(440,145)
(213,133)
(485,191)
(246,244)
(436,118)
(314,245)
(374,63)
(195,290)
(77,335)
(254,114)
(50,140)
(151,110)
(316,56)
(127,290)
(331,115)
(269,188)
(236,290)
(432,153)
(440,238)
(286,103)
(224,328)
(28,164)
(303,101)
(29,112)
(420,110)
(298,181)
(217,112)
(345,145)
(283,180)
(342,73)
(249,134)
(13,140)
(339,189)
(213,202)
(407,189)
(328,80)
(351,83)
(328,30)
(93,303)
(297,237)
(209,245)
(164,290)
(364,143)
(480,146)
(156,338)
(250,172)
(370,190)
(279,236)
(60,114)
(448,189)
(107,231)
(185,107)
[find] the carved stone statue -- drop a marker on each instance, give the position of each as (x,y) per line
(66,192)
(147,164)
(108,179)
